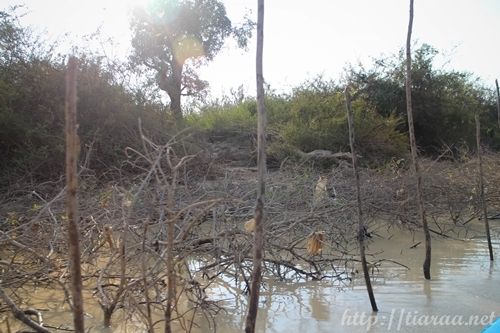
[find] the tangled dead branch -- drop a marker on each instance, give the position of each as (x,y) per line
(125,221)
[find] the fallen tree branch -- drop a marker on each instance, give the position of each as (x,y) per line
(324,154)
(22,315)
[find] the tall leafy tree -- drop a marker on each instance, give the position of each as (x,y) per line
(174,37)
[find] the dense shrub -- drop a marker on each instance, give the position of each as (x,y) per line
(312,117)
(223,121)
(444,101)
(32,109)
(318,121)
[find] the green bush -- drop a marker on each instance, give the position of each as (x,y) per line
(32,82)
(220,122)
(319,121)
(444,101)
(312,117)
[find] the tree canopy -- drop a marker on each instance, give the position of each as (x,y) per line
(443,100)
(172,38)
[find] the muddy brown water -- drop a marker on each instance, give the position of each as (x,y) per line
(463,295)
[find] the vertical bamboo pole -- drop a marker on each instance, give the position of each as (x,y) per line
(72,151)
(361,226)
(498,101)
(481,184)
(171,278)
(258,246)
(414,153)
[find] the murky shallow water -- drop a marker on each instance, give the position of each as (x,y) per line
(464,283)
(465,286)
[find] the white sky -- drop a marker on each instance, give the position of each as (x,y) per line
(305,38)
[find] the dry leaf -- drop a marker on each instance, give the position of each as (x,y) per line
(315,243)
(250,225)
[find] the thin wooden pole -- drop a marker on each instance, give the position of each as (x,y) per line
(498,101)
(72,152)
(414,153)
(361,226)
(170,221)
(481,184)
(258,247)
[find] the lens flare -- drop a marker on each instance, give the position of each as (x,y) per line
(188,47)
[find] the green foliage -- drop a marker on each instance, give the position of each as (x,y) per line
(230,117)
(225,121)
(317,118)
(319,121)
(109,113)
(311,118)
(32,110)
(443,101)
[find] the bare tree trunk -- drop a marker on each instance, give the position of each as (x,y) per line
(361,226)
(173,87)
(498,101)
(481,184)
(176,92)
(72,151)
(261,163)
(414,153)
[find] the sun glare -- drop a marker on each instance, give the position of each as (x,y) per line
(131,4)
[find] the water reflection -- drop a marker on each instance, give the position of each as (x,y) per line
(464,283)
(428,291)
(320,308)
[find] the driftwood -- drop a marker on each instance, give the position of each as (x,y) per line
(23,315)
(321,154)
